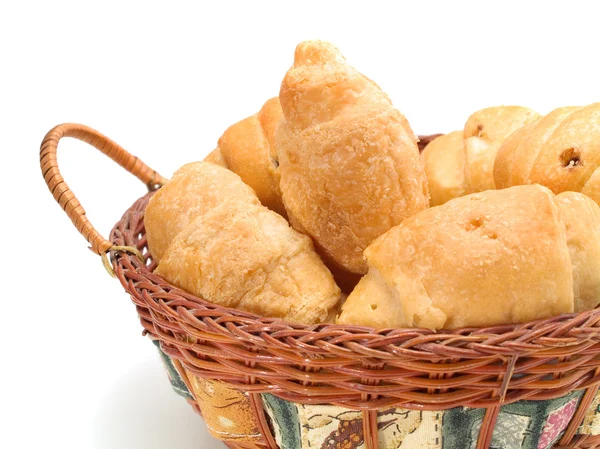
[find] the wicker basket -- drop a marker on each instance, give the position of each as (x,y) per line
(292,386)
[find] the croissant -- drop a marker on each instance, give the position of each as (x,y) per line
(495,257)
(194,189)
(234,251)
(349,163)
(582,218)
(248,149)
(216,157)
(444,160)
(560,151)
(462,162)
(484,132)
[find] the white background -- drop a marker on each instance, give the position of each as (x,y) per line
(165,79)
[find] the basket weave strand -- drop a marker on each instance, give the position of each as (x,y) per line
(350,366)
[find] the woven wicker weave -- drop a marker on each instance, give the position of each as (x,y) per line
(354,367)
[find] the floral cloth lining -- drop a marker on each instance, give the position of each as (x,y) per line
(522,425)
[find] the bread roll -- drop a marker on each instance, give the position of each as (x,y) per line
(561,151)
(500,256)
(509,142)
(216,157)
(444,159)
(246,256)
(582,220)
(484,132)
(248,149)
(194,189)
(350,167)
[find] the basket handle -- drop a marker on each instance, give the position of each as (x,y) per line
(66,198)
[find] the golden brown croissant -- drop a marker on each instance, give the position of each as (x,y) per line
(462,162)
(216,157)
(444,159)
(248,149)
(560,151)
(194,189)
(237,253)
(484,132)
(349,163)
(500,256)
(582,219)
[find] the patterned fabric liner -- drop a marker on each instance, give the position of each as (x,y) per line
(522,425)
(226,411)
(175,378)
(591,422)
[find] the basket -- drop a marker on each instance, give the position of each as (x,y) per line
(264,383)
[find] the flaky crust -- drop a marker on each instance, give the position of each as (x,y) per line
(246,256)
(194,189)
(484,132)
(561,151)
(248,149)
(444,159)
(499,256)
(350,167)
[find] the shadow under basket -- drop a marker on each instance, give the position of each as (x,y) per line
(263,383)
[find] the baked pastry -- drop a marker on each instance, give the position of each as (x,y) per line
(216,157)
(495,257)
(224,246)
(248,149)
(484,132)
(349,163)
(246,256)
(582,219)
(462,162)
(560,151)
(194,189)
(444,159)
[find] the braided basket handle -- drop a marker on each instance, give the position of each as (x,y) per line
(66,198)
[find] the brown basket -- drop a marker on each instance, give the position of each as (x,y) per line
(357,368)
